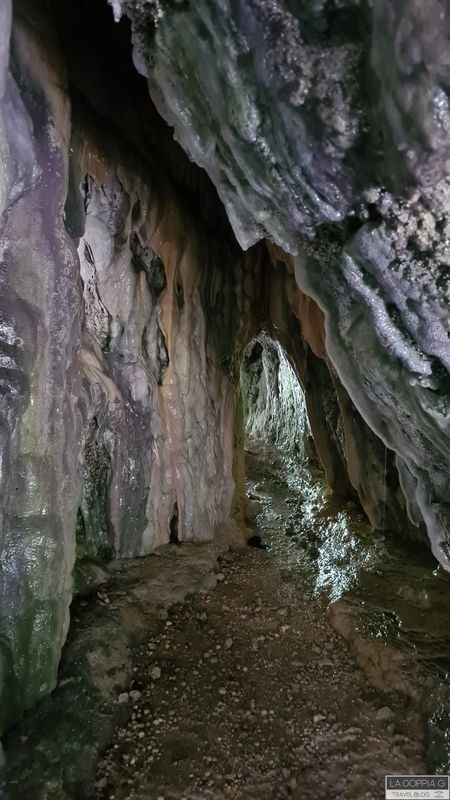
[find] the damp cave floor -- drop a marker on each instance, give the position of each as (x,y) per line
(258,696)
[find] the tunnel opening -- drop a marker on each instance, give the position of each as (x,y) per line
(291,492)
(323,540)
(280,455)
(274,409)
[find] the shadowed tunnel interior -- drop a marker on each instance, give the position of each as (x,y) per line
(224,320)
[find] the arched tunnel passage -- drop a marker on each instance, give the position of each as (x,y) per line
(325,541)
(281,460)
(278,444)
(274,406)
(123,308)
(283,470)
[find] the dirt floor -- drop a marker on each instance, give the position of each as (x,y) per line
(249,692)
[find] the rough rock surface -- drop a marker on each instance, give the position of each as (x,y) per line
(306,118)
(126,304)
(117,411)
(40,331)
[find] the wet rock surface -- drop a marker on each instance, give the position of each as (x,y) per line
(127,304)
(100,422)
(324,127)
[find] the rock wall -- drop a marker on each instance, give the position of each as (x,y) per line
(117,318)
(325,128)
(127,305)
(355,460)
(40,336)
(161,407)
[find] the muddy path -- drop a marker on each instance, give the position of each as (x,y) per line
(249,692)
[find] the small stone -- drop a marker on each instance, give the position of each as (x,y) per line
(228,644)
(135,695)
(155,673)
(124,697)
(220,576)
(384,714)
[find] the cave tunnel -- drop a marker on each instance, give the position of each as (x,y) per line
(274,407)
(224,398)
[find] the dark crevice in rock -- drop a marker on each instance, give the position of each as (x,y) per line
(179,293)
(173,538)
(146,261)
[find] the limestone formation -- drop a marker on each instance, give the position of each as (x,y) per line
(312,208)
